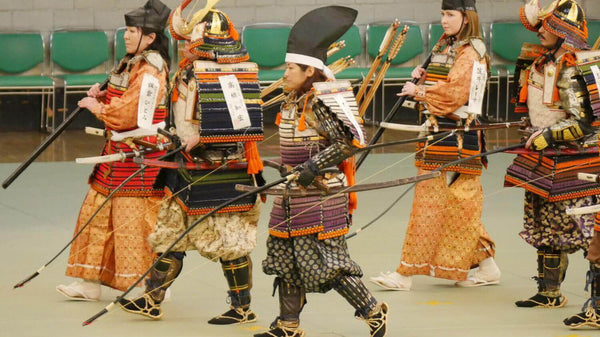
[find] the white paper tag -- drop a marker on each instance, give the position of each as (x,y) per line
(147,102)
(478,82)
(235,102)
(343,104)
(596,72)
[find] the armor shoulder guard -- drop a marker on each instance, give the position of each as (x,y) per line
(479,46)
(154,59)
(573,94)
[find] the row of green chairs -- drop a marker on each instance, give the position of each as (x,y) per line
(267,42)
(77,60)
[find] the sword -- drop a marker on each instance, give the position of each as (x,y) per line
(427,127)
(109,158)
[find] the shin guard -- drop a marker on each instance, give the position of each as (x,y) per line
(355,292)
(238,273)
(163,274)
(552,266)
(291,302)
(555,267)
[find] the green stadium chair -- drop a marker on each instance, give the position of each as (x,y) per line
(506,40)
(79,59)
(267,46)
(354,48)
(22,68)
(593,31)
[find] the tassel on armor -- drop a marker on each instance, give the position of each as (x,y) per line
(590,315)
(238,273)
(161,277)
(552,266)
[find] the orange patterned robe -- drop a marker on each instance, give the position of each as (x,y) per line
(445,237)
(113,248)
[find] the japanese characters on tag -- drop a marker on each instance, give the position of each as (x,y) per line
(235,102)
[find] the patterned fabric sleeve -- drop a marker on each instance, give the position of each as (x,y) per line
(447,96)
(121,113)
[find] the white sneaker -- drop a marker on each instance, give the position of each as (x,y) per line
(392,281)
(81,290)
(488,273)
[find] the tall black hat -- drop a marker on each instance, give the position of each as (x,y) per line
(459,5)
(153,16)
(315,31)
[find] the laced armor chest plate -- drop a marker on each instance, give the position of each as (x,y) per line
(430,156)
(220,105)
(200,191)
(297,146)
(107,176)
(588,63)
(325,216)
(555,177)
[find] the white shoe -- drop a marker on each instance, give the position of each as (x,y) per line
(81,291)
(392,281)
(488,273)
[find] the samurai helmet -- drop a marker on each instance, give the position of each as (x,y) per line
(211,33)
(216,23)
(563,18)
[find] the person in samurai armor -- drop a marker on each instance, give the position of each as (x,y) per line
(113,250)
(217,157)
(445,237)
(554,95)
(306,248)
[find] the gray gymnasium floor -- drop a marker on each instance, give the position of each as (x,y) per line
(38,213)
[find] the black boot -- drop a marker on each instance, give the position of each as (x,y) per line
(367,309)
(291,302)
(238,274)
(161,277)
(590,315)
(552,266)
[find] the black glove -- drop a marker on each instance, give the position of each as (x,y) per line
(308,172)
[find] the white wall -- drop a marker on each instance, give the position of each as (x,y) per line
(46,15)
